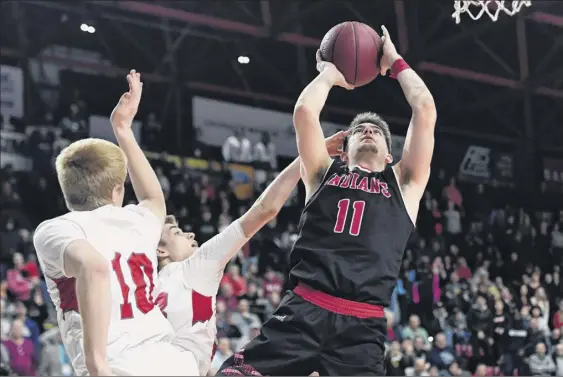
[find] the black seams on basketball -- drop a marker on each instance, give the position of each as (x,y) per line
(355,49)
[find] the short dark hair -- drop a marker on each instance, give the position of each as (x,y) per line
(372,118)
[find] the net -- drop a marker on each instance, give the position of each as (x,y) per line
(492,8)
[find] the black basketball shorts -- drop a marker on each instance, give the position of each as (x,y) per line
(313,331)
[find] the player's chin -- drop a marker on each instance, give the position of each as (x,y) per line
(368,147)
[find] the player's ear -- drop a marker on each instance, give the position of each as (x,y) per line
(344,157)
(389,158)
(162,253)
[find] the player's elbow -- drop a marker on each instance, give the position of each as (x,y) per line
(269,209)
(302,115)
(426,108)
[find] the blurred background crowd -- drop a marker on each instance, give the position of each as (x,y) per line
(480,286)
(479,292)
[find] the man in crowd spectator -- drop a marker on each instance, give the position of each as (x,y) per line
(237,148)
(540,363)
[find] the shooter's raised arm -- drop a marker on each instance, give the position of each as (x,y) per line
(310,139)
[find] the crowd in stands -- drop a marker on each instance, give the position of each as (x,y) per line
(479,293)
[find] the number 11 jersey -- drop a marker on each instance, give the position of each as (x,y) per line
(352,235)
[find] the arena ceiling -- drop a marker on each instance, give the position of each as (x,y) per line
(498,81)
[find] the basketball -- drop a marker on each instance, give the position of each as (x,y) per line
(355,49)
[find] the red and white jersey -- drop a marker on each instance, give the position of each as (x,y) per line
(127,237)
(188,290)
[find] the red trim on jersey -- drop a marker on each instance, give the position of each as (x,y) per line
(67,294)
(363,167)
(202,307)
(339,305)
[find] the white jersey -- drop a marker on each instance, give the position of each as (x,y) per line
(188,290)
(127,237)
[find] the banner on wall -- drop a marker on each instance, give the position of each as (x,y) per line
(217,120)
(476,163)
(553,173)
(100,128)
(11,91)
(11,153)
(243,179)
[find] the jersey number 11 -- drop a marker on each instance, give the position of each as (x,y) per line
(357,216)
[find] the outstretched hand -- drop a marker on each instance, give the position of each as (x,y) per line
(390,53)
(330,69)
(335,143)
(124,112)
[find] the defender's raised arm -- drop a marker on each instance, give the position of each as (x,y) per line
(143,178)
(310,139)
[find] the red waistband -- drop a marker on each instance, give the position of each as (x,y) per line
(339,305)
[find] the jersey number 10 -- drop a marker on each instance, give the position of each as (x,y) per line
(357,216)
(139,265)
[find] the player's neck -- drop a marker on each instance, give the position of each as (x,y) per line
(163,263)
(372,166)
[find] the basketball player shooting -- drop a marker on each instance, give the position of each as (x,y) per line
(358,216)
(190,275)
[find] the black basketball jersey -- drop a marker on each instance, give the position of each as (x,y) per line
(352,235)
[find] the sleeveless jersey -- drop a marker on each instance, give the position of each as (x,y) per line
(352,235)
(127,238)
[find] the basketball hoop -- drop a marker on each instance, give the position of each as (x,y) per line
(492,8)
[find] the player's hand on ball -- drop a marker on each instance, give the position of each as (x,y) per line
(336,77)
(390,53)
(124,113)
(335,143)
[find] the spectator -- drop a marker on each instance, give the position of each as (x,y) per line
(452,193)
(21,352)
(455,370)
(235,280)
(18,284)
(223,353)
(394,361)
(237,148)
(420,368)
(243,319)
(558,317)
(54,360)
(540,363)
(414,330)
(558,358)
(453,219)
(441,355)
(265,152)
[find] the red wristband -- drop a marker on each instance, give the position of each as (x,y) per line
(398,66)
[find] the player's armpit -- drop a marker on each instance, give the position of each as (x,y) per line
(91,271)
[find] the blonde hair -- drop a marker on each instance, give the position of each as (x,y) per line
(88,170)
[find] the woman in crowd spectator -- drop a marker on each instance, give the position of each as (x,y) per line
(23,360)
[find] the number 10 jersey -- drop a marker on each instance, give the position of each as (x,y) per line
(127,238)
(352,235)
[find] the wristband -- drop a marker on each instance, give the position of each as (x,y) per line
(398,66)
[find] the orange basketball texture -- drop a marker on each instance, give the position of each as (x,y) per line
(355,49)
